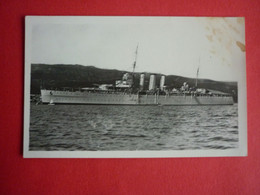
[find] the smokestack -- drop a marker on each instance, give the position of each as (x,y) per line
(162,81)
(142,81)
(152,82)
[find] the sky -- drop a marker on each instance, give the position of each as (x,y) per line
(166,45)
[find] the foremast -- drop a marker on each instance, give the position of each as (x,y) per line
(134,65)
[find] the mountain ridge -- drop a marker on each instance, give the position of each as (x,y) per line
(78,76)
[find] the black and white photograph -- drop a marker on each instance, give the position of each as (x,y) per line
(134,87)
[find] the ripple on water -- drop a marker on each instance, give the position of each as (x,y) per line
(96,127)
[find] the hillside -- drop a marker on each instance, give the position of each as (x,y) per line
(77,76)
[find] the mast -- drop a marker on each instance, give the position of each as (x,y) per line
(196,82)
(134,64)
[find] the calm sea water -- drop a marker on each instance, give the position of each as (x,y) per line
(102,127)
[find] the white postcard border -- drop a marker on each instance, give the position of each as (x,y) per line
(242,108)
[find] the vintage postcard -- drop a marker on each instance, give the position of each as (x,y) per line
(134,87)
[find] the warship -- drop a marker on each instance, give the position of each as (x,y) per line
(125,92)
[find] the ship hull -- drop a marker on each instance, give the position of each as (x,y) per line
(77,97)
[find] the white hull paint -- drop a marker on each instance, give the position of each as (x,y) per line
(77,97)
